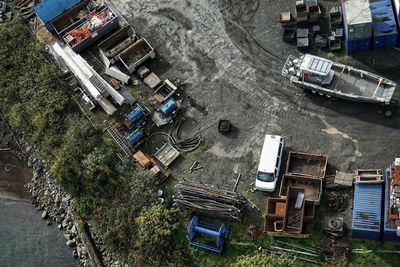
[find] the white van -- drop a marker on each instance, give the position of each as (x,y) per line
(270,163)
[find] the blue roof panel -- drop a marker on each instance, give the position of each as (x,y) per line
(50,9)
(367,210)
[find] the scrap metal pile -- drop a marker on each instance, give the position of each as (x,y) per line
(210,201)
(337,202)
(298,252)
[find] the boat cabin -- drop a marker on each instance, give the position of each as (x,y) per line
(316,70)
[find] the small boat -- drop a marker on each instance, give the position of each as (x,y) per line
(333,79)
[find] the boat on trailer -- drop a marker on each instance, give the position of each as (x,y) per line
(333,79)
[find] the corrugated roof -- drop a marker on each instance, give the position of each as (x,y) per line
(50,9)
(316,64)
(382,17)
(357,11)
(367,210)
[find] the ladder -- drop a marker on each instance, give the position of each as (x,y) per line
(119,139)
(99,84)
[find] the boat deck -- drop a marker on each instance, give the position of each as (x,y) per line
(361,84)
(350,84)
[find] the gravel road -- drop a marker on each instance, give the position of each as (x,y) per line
(228,55)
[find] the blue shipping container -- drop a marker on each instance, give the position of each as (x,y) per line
(357,46)
(389,233)
(396,9)
(384,38)
(48,10)
(384,28)
(367,211)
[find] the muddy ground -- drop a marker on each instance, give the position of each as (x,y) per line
(14,174)
(228,55)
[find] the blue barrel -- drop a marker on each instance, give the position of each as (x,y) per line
(135,137)
(169,107)
(136,114)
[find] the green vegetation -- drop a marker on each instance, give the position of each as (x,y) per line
(36,102)
(262,259)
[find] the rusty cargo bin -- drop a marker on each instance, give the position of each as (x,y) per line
(116,42)
(136,54)
(72,18)
(312,186)
(279,216)
(286,19)
(301,13)
(289,35)
(306,164)
(224,126)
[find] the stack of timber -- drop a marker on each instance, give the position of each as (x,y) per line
(210,201)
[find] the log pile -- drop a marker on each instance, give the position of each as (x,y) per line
(210,201)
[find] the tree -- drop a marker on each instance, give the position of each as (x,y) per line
(78,141)
(155,244)
(263,260)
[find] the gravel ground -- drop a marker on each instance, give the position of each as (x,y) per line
(228,55)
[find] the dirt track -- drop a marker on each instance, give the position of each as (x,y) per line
(228,54)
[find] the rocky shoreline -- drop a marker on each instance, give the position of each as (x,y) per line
(57,206)
(55,203)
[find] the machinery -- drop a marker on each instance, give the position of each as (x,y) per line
(394,194)
(220,233)
(135,137)
(77,35)
(169,107)
(166,112)
(136,114)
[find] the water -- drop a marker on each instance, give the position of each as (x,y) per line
(26,240)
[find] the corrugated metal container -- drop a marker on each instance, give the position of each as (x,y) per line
(357,19)
(384,26)
(97,35)
(396,9)
(384,37)
(389,231)
(357,46)
(367,211)
(47,10)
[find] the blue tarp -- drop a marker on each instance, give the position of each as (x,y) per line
(50,9)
